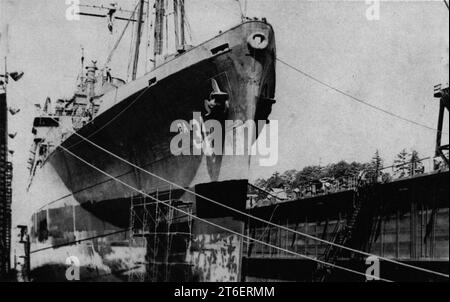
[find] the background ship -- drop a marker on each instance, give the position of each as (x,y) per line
(79,211)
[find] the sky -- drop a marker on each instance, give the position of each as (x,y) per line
(392,63)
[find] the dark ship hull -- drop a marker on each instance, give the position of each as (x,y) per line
(73,202)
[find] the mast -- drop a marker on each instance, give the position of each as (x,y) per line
(159,28)
(82,68)
(182,21)
(176,24)
(112,11)
(166,26)
(138,39)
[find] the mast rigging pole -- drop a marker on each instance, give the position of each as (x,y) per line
(138,39)
(176,24)
(182,21)
(159,29)
(129,20)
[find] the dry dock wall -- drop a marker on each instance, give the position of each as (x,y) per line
(410,223)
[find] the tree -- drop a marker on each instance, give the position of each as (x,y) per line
(343,170)
(274,181)
(288,177)
(307,175)
(416,166)
(401,163)
(374,168)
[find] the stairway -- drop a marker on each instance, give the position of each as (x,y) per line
(341,236)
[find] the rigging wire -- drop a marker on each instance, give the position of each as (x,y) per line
(312,237)
(192,216)
(355,98)
(108,59)
(257,218)
(235,210)
(130,52)
(241,10)
(115,116)
(239,211)
(149,28)
(270,220)
(252,185)
(187,23)
(166,23)
(217,225)
(343,92)
(260,219)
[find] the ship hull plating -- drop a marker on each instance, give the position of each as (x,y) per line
(74,202)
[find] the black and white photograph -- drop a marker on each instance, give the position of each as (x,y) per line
(224,147)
